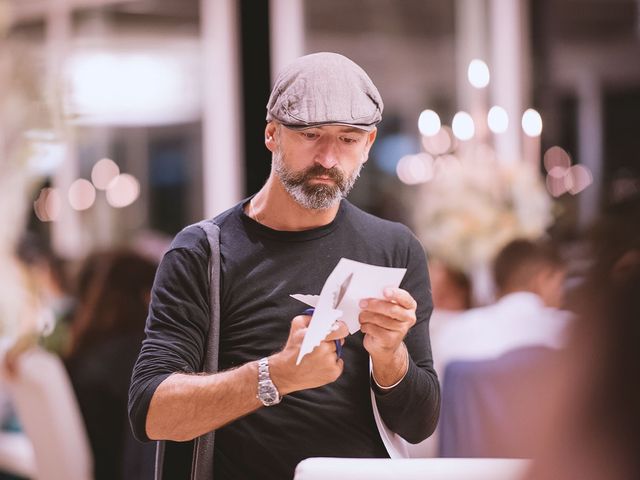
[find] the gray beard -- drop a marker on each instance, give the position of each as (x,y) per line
(314,197)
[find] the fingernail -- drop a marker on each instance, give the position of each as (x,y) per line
(363,304)
(335,327)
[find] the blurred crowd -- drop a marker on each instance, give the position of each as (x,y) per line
(547,371)
(93,321)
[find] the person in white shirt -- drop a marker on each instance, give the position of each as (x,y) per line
(529,278)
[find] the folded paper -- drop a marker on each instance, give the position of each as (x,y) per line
(348,283)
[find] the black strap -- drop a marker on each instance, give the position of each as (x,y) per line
(202,466)
(159,459)
(202,462)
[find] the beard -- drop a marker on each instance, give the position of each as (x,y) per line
(318,196)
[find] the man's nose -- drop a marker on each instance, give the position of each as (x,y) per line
(327,154)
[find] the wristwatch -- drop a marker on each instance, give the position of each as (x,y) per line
(267,392)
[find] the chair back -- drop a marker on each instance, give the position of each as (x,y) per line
(48,410)
(16,455)
(495,408)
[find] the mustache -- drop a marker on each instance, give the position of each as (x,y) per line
(318,170)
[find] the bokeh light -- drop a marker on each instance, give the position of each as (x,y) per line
(463,127)
(133,86)
(446,167)
(429,123)
(556,186)
(625,188)
(497,119)
(439,143)
(48,205)
(531,123)
(415,169)
(478,73)
(558,172)
(82,194)
(103,172)
(123,191)
(577,179)
(556,157)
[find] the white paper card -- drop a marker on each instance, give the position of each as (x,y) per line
(357,281)
(311,300)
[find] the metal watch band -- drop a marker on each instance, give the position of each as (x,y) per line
(267,392)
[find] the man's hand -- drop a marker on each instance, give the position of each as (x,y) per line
(385,323)
(317,368)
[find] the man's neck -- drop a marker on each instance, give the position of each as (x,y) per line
(274,207)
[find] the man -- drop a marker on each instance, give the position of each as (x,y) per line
(322,117)
(529,278)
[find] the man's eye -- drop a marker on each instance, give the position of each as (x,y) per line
(349,140)
(309,135)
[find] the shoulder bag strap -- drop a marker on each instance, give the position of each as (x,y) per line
(202,466)
(202,463)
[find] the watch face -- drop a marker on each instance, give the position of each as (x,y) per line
(268,394)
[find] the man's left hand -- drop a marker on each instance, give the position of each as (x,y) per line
(385,322)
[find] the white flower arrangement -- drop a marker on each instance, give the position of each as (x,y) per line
(475,204)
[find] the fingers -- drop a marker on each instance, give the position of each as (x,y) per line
(401,297)
(386,314)
(299,326)
(385,322)
(339,331)
(397,304)
(377,338)
(382,321)
(301,321)
(327,347)
(378,331)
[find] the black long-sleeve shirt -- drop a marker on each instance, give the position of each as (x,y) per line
(261,267)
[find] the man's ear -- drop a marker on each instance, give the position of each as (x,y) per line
(548,284)
(270,132)
(371,137)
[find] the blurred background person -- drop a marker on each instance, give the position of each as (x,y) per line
(529,278)
(50,279)
(42,305)
(451,291)
(43,278)
(106,334)
(595,431)
(491,351)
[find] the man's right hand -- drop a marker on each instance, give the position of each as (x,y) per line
(185,406)
(320,367)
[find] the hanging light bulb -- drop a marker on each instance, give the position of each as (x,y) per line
(478,73)
(463,127)
(429,123)
(532,123)
(497,119)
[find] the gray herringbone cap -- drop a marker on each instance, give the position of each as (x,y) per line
(324,89)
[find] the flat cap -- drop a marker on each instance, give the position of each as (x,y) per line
(325,89)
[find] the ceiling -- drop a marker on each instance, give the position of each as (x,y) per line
(570,20)
(566,20)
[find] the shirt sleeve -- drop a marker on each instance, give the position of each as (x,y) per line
(411,409)
(176,326)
